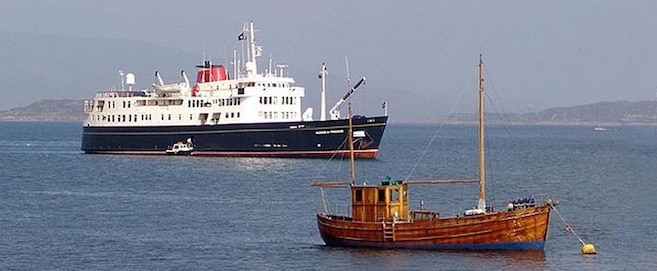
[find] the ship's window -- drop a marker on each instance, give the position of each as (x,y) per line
(216,116)
(269,98)
(232,115)
(238,114)
(169,116)
(394,195)
(382,195)
(359,195)
(273,85)
(130,118)
(240,91)
(191,117)
(275,100)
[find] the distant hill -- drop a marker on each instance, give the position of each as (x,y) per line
(46,110)
(602,113)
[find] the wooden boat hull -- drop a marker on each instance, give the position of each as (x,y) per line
(524,229)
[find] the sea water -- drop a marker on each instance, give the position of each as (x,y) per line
(61,209)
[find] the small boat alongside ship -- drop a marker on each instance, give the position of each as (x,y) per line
(382,218)
(181,148)
(247,113)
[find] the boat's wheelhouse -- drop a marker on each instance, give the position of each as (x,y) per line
(377,203)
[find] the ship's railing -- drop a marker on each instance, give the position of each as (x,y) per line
(120,93)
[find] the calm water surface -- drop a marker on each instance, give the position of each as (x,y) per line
(64,210)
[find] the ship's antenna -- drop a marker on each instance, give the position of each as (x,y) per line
(235,64)
(121,74)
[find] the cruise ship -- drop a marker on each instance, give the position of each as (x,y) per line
(245,113)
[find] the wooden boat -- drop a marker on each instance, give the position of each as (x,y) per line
(381,216)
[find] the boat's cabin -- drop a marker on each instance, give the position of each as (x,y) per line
(375,203)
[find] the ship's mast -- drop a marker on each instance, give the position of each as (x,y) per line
(254,51)
(482,171)
(322,75)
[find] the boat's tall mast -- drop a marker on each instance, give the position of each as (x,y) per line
(351,149)
(482,171)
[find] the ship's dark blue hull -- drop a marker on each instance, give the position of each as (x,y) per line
(282,139)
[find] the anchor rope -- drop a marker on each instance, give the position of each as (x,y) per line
(568,227)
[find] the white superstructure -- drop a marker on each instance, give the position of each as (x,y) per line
(215,98)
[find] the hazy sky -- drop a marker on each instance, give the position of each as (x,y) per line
(539,54)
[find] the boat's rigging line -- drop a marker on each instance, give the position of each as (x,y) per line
(498,106)
(438,130)
(329,161)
